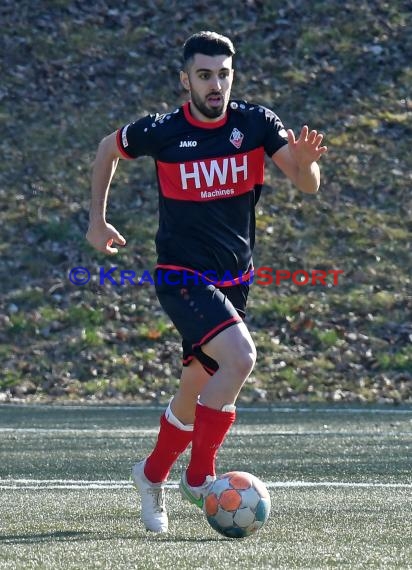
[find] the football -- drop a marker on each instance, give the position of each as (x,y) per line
(237,504)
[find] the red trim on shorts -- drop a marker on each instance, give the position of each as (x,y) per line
(187,361)
(230,283)
(119,145)
(202,124)
(208,370)
(217,329)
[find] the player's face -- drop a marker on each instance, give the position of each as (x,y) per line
(209,81)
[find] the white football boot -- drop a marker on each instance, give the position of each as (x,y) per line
(195,495)
(152,497)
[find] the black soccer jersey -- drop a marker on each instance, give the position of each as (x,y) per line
(210,176)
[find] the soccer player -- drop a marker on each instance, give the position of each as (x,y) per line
(209,158)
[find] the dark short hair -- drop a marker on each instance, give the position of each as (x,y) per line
(207,43)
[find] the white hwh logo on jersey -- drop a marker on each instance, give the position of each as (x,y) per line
(206,174)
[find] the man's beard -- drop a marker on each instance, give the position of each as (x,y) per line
(210,113)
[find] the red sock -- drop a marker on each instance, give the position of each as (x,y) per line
(171,442)
(209,431)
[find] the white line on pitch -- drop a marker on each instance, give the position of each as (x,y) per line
(49,484)
(238,431)
(73,431)
(253,409)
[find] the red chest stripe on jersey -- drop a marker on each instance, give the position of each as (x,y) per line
(212,178)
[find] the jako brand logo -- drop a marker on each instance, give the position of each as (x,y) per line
(189,144)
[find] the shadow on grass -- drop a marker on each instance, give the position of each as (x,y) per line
(176,539)
(60,535)
(56,536)
(74,536)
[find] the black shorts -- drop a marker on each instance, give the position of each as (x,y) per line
(200,312)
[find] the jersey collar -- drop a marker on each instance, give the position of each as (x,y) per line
(202,124)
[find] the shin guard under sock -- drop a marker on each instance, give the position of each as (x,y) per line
(209,431)
(171,442)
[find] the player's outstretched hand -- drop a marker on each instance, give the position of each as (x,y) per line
(305,148)
(102,236)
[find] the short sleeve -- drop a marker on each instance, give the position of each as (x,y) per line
(135,139)
(275,133)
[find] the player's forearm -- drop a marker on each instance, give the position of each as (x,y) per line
(103,170)
(308,178)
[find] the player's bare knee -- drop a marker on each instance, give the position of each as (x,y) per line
(245,364)
(241,361)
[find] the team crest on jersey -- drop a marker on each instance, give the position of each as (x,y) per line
(236,138)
